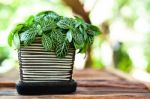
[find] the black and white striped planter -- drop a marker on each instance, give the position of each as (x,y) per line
(41,72)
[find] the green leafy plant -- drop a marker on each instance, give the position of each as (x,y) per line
(57,33)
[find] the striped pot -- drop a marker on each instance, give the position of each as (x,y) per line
(41,72)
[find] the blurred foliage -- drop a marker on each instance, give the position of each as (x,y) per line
(10,9)
(148,68)
(147,51)
(3,54)
(134,14)
(121,58)
(7,10)
(132,10)
(97,64)
(95,54)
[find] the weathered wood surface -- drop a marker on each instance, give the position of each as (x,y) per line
(92,84)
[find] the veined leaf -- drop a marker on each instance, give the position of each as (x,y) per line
(83,32)
(47,42)
(39,29)
(48,13)
(79,19)
(78,38)
(47,24)
(93,30)
(85,36)
(78,46)
(52,23)
(47,20)
(66,23)
(62,48)
(56,35)
(90,39)
(79,22)
(57,32)
(16,40)
(69,36)
(53,15)
(83,49)
(28,36)
(38,18)
(24,36)
(28,42)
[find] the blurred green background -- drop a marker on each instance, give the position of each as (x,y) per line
(124,43)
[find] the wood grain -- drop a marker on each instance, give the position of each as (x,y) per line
(100,86)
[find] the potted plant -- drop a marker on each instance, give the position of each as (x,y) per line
(46,46)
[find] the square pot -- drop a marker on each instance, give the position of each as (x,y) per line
(42,72)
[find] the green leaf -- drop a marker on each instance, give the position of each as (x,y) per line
(62,48)
(78,38)
(93,30)
(83,49)
(28,42)
(56,36)
(85,36)
(57,32)
(47,20)
(38,18)
(49,13)
(29,21)
(16,40)
(28,36)
(14,33)
(79,22)
(69,36)
(39,29)
(47,24)
(51,23)
(10,39)
(24,36)
(53,15)
(66,23)
(79,19)
(90,39)
(83,32)
(78,46)
(47,42)
(18,27)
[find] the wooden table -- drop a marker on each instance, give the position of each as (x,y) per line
(92,84)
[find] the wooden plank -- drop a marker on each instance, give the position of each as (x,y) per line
(7,84)
(97,83)
(92,84)
(110,96)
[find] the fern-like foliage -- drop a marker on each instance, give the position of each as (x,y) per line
(57,33)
